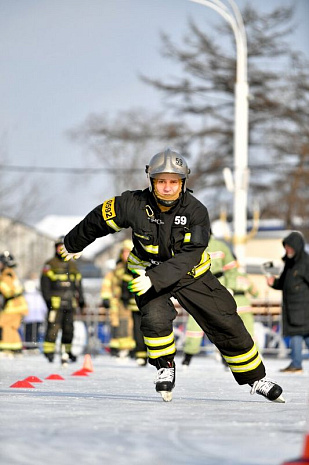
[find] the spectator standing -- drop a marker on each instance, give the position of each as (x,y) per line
(34,321)
(294,284)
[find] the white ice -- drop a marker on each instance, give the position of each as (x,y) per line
(113,416)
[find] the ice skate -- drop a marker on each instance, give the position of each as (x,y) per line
(64,359)
(268,389)
(165,381)
(186,360)
(50,357)
(72,357)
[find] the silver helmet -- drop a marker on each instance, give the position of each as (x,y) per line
(168,161)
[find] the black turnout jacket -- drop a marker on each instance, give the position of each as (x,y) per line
(170,245)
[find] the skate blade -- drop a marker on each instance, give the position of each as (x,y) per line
(167,396)
(280,399)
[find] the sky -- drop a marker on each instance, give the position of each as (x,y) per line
(63,60)
(114,416)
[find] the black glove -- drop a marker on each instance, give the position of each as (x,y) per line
(106,303)
(2,302)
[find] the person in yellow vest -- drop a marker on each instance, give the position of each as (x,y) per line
(224,268)
(126,336)
(13,308)
(243,290)
(61,287)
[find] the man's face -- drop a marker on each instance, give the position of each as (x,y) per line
(58,249)
(167,186)
(290,252)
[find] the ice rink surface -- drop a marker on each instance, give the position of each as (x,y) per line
(113,416)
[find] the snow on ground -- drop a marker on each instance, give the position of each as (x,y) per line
(113,416)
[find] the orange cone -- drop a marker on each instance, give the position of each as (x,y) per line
(87,366)
(22,384)
(54,376)
(304,460)
(81,372)
(33,379)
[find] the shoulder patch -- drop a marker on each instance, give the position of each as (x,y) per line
(108,209)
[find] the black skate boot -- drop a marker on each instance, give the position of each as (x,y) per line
(187,359)
(165,380)
(50,357)
(268,389)
(72,357)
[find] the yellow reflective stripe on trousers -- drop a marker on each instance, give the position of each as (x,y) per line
(243,357)
(10,345)
(152,353)
(247,367)
(159,341)
(244,362)
(48,347)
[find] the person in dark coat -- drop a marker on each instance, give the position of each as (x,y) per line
(294,283)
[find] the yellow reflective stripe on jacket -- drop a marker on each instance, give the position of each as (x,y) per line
(153,353)
(159,341)
(113,225)
(187,237)
(136,263)
(202,267)
(150,248)
(63,276)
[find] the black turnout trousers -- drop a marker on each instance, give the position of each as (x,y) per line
(214,309)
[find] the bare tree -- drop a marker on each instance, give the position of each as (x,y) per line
(198,114)
(20,199)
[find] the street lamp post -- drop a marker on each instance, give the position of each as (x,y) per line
(233,16)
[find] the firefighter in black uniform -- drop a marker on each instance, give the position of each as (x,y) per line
(170,233)
(61,286)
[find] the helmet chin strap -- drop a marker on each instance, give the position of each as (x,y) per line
(167,203)
(163,202)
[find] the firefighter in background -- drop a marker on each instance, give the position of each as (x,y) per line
(224,267)
(13,308)
(61,287)
(243,290)
(125,318)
